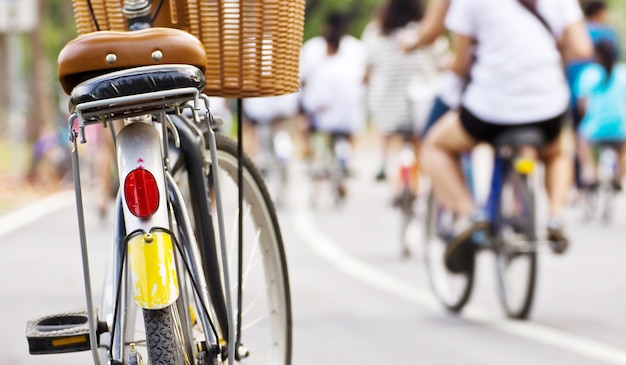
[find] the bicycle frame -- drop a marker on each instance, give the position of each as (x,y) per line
(141,146)
(502,165)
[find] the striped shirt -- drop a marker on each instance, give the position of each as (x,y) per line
(393,72)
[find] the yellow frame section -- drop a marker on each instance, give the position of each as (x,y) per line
(524,165)
(153,270)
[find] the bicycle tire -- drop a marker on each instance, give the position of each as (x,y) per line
(607,160)
(163,345)
(516,246)
(452,289)
(606,199)
(407,217)
(273,325)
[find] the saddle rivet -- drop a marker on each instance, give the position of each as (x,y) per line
(157,55)
(111,58)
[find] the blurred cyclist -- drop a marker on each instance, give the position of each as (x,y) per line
(400,84)
(601,95)
(596,15)
(266,134)
(332,69)
(431,28)
(516,79)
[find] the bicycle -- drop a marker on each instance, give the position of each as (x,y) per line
(329,165)
(276,150)
(177,291)
(511,236)
(273,147)
(406,190)
(598,199)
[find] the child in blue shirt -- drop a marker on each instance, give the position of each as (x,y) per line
(601,93)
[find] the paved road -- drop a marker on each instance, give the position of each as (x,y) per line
(355,300)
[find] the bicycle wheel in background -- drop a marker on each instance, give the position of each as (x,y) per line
(607,164)
(272,160)
(516,245)
(263,311)
(452,289)
(589,204)
(406,202)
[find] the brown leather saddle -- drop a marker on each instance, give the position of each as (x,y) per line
(91,56)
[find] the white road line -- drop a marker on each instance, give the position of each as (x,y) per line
(324,246)
(32,212)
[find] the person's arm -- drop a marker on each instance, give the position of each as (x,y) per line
(454,77)
(462,54)
(431,26)
(575,42)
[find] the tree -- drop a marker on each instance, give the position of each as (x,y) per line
(360,12)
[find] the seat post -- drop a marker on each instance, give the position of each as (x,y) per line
(137,14)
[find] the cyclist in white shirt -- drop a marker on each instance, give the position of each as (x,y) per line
(516,79)
(332,69)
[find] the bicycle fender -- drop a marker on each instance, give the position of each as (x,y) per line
(153,270)
(151,255)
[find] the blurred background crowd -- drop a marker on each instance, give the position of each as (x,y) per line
(34,147)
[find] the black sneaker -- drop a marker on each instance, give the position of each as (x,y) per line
(461,246)
(556,235)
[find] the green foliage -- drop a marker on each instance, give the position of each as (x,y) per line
(617,9)
(58,26)
(360,11)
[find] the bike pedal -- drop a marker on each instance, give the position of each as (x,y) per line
(60,333)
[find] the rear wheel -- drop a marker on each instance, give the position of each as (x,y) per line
(452,289)
(516,247)
(258,268)
(163,337)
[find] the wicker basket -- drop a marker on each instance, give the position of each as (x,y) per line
(253,46)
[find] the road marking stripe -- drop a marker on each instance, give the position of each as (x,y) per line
(324,246)
(32,212)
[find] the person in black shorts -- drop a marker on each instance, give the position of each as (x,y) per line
(515,80)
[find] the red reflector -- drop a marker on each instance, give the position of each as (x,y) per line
(141,193)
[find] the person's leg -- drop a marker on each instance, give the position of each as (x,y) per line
(559,173)
(587,163)
(415,176)
(105,162)
(251,139)
(559,176)
(384,151)
(439,159)
(578,163)
(619,166)
(306,130)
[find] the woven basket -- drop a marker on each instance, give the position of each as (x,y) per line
(253,46)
